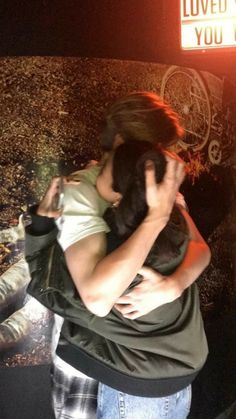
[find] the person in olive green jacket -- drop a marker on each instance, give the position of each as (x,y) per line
(159,354)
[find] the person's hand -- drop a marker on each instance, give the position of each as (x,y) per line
(90,164)
(161,197)
(48,207)
(180,201)
(154,291)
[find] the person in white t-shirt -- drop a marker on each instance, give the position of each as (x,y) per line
(140,116)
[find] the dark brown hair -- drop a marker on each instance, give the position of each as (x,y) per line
(129,179)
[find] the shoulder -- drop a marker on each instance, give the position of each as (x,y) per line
(89,175)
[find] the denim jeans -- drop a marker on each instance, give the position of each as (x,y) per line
(117,405)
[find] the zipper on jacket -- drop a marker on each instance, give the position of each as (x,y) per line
(49,267)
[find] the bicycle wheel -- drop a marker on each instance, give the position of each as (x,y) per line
(185,90)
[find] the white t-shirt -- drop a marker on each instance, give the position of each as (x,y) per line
(83,209)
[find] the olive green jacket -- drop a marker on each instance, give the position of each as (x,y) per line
(155,355)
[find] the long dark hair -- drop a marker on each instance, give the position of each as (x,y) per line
(129,179)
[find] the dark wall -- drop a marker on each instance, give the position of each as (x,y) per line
(146,30)
(101,28)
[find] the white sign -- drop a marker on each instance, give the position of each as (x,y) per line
(208,24)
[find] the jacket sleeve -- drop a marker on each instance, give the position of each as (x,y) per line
(34,244)
(50,283)
(39,235)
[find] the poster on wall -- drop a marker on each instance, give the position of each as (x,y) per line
(51,114)
(207,24)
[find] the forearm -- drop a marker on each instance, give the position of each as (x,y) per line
(111,275)
(196,259)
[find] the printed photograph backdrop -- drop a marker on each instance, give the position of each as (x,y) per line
(51,114)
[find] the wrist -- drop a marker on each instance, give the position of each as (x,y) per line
(156,219)
(40,211)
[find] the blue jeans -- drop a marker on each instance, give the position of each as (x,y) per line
(117,405)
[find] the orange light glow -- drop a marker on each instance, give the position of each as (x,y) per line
(208,24)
